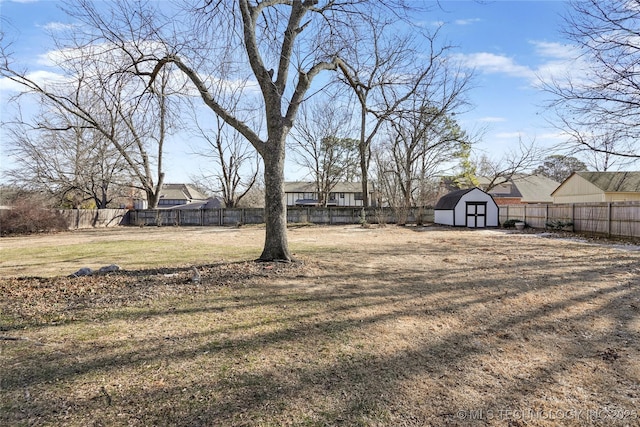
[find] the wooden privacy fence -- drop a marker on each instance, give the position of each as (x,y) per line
(235,216)
(611,219)
(94,218)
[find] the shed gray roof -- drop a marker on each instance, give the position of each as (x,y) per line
(613,182)
(449,201)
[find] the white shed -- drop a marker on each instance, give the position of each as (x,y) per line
(471,208)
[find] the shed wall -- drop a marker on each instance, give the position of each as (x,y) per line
(444,217)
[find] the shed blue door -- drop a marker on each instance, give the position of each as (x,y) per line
(476,214)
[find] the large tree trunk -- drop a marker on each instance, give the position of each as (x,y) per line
(276,247)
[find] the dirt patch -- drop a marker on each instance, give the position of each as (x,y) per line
(380,326)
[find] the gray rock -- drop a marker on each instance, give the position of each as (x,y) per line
(109,269)
(195,277)
(84,271)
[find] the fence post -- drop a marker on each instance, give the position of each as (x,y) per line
(609,219)
(546,215)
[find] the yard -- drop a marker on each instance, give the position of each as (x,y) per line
(373,327)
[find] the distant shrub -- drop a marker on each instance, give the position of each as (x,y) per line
(511,223)
(559,224)
(28,217)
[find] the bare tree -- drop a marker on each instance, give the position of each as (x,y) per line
(598,108)
(322,146)
(600,148)
(94,94)
(387,75)
(236,165)
(65,159)
(422,144)
(513,162)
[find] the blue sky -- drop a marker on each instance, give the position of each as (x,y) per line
(510,44)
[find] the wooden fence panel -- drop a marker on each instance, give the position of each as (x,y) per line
(298,215)
(94,218)
(190,216)
(591,218)
(625,219)
(212,216)
(620,219)
(253,216)
(536,215)
(562,213)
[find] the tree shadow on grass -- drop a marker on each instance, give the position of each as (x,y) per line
(391,348)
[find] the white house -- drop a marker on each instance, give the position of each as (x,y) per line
(471,208)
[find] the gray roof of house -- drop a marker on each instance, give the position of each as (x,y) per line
(613,182)
(211,203)
(535,188)
(181,192)
(530,188)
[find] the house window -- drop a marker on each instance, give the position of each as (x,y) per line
(358,196)
(332,196)
(342,195)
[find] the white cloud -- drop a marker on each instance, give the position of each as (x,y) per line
(42,78)
(468,21)
(556,62)
(57,26)
(554,50)
(553,136)
(508,135)
(492,119)
(491,63)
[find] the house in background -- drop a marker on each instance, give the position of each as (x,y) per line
(585,187)
(519,189)
(470,207)
(173,195)
(343,194)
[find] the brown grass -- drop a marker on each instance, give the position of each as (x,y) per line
(388,327)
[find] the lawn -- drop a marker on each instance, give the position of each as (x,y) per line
(394,326)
